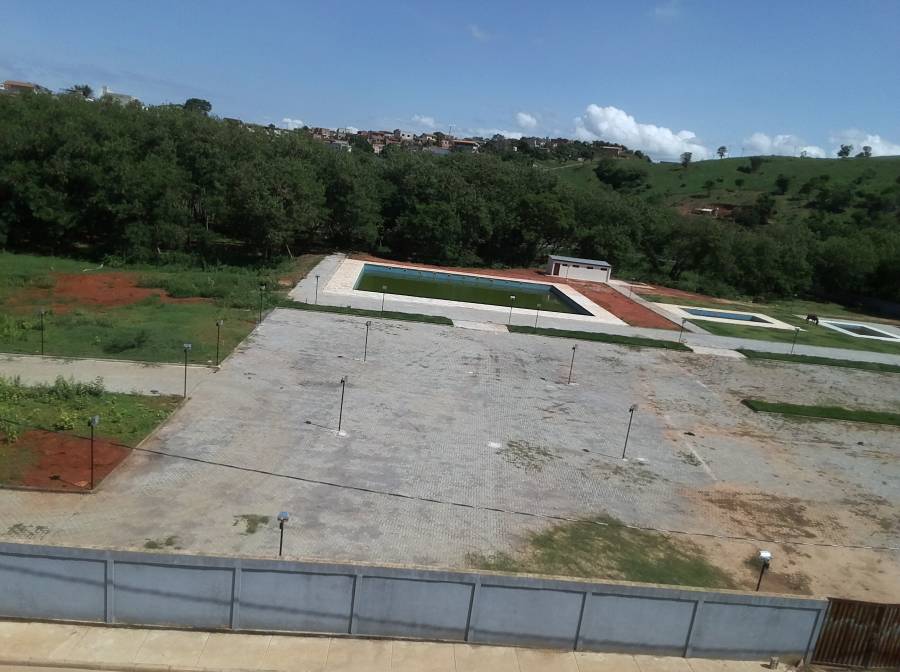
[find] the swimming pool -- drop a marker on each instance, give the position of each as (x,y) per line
(467,288)
(859,330)
(725,315)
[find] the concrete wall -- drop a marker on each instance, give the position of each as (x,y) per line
(581,272)
(252,594)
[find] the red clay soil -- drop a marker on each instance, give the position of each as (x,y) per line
(96,290)
(63,462)
(630,312)
(659,290)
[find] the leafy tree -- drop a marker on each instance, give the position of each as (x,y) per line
(782,182)
(686,159)
(844,151)
(361,144)
(756,163)
(722,151)
(82,90)
(198,105)
(621,175)
(865,153)
(708,186)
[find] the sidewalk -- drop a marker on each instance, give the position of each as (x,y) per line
(98,647)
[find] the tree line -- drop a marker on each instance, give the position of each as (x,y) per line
(133,184)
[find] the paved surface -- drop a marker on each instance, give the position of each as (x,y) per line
(118,376)
(305,291)
(135,649)
(487,420)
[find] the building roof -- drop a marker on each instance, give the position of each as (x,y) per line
(576,260)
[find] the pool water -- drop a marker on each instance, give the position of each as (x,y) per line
(468,288)
(725,315)
(859,330)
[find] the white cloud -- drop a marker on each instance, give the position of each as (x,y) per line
(478,33)
(667,10)
(420,120)
(615,125)
(292,123)
(860,139)
(783,144)
(491,132)
(525,120)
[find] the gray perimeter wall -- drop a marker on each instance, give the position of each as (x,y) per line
(55,583)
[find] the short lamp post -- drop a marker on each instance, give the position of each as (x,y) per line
(794,342)
(317,290)
(219,324)
(383,291)
(366,346)
(512,300)
(572,364)
(283,517)
(765,557)
(631,410)
(187,349)
(42,312)
(92,423)
(537,314)
(262,289)
(681,333)
(341,412)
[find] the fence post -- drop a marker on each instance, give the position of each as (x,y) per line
(689,643)
(354,606)
(583,619)
(472,620)
(236,595)
(110,592)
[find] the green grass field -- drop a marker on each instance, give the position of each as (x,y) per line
(603,548)
(824,412)
(150,329)
(633,341)
(820,361)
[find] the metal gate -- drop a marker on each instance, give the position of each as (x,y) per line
(860,634)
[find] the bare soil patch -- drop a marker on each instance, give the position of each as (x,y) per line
(63,462)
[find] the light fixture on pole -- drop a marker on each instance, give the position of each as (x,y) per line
(681,333)
(794,343)
(537,314)
(219,324)
(383,290)
(572,364)
(317,290)
(341,412)
(283,517)
(92,423)
(631,410)
(262,288)
(512,300)
(42,311)
(187,349)
(366,346)
(765,557)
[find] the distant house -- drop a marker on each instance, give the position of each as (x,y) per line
(707,212)
(341,146)
(121,98)
(579,269)
(402,136)
(610,151)
(465,146)
(12,86)
(377,147)
(436,151)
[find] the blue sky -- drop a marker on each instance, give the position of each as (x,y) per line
(665,77)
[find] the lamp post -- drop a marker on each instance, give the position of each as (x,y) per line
(366,346)
(794,343)
(187,349)
(572,364)
(283,517)
(341,412)
(383,290)
(681,333)
(765,557)
(512,300)
(317,290)
(42,311)
(92,423)
(262,288)
(219,324)
(631,410)
(537,314)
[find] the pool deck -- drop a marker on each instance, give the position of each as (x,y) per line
(682,313)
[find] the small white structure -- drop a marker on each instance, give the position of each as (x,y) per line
(579,269)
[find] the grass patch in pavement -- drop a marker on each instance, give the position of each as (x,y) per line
(824,412)
(821,361)
(602,548)
(635,341)
(359,312)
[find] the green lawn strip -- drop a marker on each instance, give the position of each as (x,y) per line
(604,548)
(824,412)
(635,341)
(810,334)
(822,361)
(359,312)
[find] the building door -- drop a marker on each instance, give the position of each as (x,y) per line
(555,268)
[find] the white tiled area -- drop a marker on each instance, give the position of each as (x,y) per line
(679,313)
(885,332)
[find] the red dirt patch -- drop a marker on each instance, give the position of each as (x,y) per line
(631,312)
(63,462)
(659,290)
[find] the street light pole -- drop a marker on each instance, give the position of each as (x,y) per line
(317,290)
(512,300)
(366,346)
(765,558)
(537,314)
(262,288)
(794,343)
(187,349)
(681,333)
(383,290)
(572,364)
(42,331)
(631,411)
(219,324)
(93,422)
(341,412)
(283,517)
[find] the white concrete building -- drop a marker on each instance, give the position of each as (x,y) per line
(579,269)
